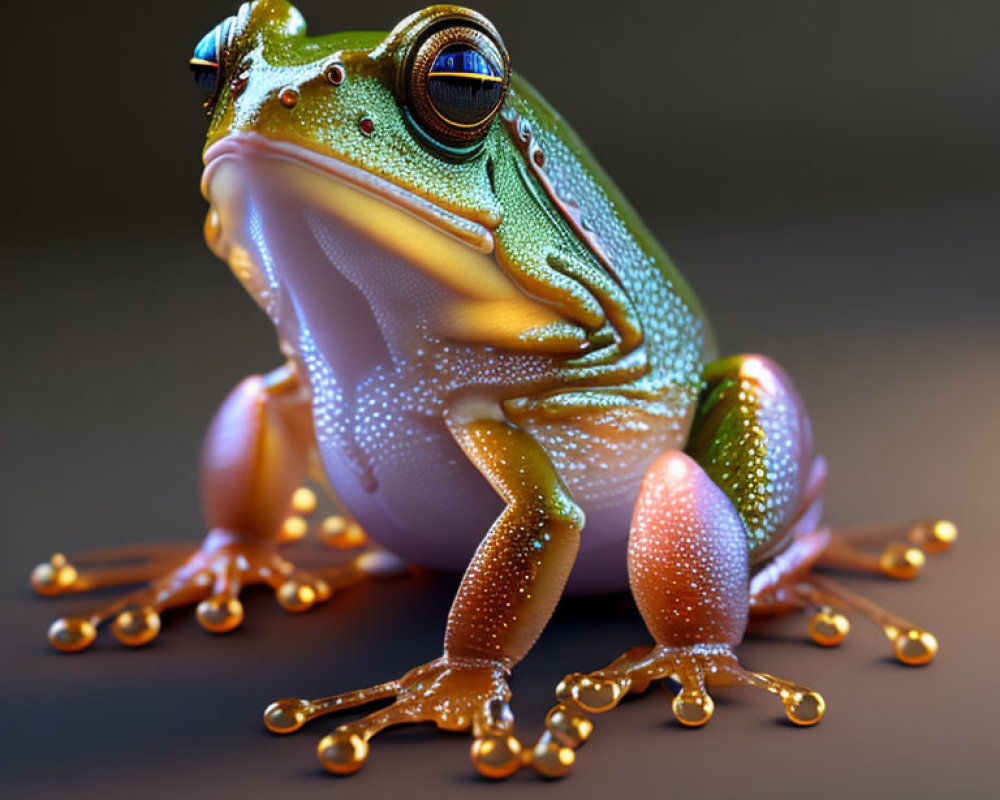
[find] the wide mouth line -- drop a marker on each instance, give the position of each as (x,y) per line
(253,144)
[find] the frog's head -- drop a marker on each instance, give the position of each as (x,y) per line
(323,150)
(437,79)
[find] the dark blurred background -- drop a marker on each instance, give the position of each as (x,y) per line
(826,176)
(691,106)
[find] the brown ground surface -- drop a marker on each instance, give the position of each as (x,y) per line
(885,315)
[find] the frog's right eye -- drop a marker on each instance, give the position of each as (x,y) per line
(455,78)
(208,62)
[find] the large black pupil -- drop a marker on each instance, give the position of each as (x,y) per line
(464,87)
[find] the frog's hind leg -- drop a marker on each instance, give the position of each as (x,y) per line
(704,520)
(752,436)
(689,572)
(256,453)
(729,527)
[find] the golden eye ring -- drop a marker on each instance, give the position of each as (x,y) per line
(457,78)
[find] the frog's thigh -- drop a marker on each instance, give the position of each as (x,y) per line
(752,437)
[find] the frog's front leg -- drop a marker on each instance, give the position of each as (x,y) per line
(505,599)
(255,454)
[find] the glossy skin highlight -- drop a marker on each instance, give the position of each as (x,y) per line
(494,367)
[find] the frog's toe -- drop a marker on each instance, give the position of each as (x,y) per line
(692,669)
(902,556)
(212,578)
(454,696)
(911,644)
(135,618)
(96,570)
(338,531)
(896,550)
(341,532)
(291,713)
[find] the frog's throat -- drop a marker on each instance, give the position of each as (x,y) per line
(236,145)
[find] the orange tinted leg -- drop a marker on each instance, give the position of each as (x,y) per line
(506,596)
(689,573)
(255,455)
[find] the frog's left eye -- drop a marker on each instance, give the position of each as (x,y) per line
(457,78)
(208,62)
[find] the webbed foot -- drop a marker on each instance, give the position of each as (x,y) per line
(211,577)
(454,695)
(254,457)
(791,581)
(694,669)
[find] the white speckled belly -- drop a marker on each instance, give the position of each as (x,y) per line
(360,320)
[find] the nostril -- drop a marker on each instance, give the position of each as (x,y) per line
(240,80)
(288,97)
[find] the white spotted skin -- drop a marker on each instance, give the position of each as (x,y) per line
(687,557)
(360,322)
(788,455)
(676,339)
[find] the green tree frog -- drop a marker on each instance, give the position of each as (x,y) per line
(495,368)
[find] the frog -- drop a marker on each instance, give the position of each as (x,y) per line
(496,370)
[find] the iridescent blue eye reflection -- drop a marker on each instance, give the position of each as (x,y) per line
(206,63)
(463,85)
(461,58)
